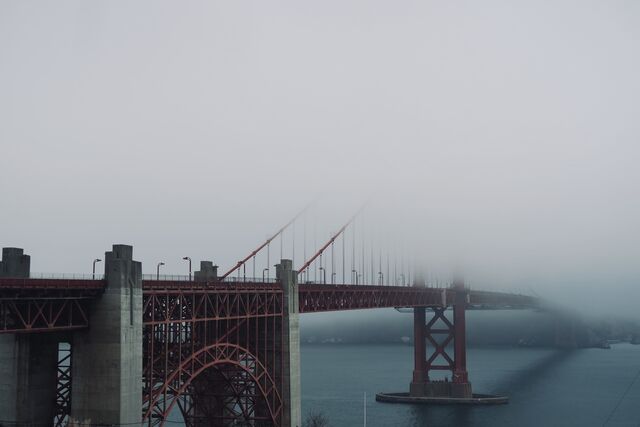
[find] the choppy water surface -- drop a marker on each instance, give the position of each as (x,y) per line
(586,387)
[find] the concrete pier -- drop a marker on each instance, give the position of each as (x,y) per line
(27,362)
(107,358)
(288,279)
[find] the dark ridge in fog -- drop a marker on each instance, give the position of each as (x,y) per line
(501,327)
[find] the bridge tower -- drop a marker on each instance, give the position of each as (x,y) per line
(439,332)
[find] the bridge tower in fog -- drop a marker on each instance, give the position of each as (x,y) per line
(432,340)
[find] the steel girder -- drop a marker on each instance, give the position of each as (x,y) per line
(314,298)
(63,386)
(42,314)
(193,335)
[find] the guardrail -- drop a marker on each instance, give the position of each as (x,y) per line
(67,276)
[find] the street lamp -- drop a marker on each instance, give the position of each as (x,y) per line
(324,275)
(93,275)
(380,278)
(354,273)
(265,270)
(188,259)
(158,270)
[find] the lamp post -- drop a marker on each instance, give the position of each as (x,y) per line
(93,274)
(188,259)
(265,270)
(324,275)
(158,270)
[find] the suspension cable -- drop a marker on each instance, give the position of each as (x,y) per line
(330,241)
(259,248)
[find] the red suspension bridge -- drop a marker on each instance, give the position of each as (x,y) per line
(123,350)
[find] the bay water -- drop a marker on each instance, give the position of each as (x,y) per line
(546,387)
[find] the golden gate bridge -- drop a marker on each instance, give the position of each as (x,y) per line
(128,349)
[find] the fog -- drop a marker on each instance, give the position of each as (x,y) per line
(497,138)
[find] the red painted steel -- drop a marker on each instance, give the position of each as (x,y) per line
(262,246)
(439,332)
(39,314)
(419,346)
(459,374)
(315,298)
(214,352)
(63,386)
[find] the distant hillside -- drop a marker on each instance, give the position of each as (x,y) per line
(500,327)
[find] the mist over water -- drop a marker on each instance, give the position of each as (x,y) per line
(493,139)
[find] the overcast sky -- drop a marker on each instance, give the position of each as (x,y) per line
(500,135)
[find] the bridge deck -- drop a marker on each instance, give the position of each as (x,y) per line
(37,305)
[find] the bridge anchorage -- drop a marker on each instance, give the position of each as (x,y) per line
(439,332)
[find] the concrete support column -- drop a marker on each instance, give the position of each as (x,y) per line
(288,279)
(28,375)
(107,358)
(461,386)
(28,363)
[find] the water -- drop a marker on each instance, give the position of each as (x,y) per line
(546,387)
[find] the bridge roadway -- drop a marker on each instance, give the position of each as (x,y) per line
(40,305)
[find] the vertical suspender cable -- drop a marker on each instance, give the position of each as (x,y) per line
(266,243)
(353,255)
(304,245)
(388,270)
(332,264)
(363,269)
(343,278)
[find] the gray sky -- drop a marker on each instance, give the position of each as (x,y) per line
(499,135)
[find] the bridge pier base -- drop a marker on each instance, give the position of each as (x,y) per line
(107,358)
(28,378)
(27,362)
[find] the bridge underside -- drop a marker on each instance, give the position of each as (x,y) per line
(214,356)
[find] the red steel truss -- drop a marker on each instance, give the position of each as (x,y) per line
(40,305)
(314,298)
(213,352)
(41,315)
(63,386)
(439,332)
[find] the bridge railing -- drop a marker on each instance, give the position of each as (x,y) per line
(236,279)
(185,278)
(167,277)
(67,276)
